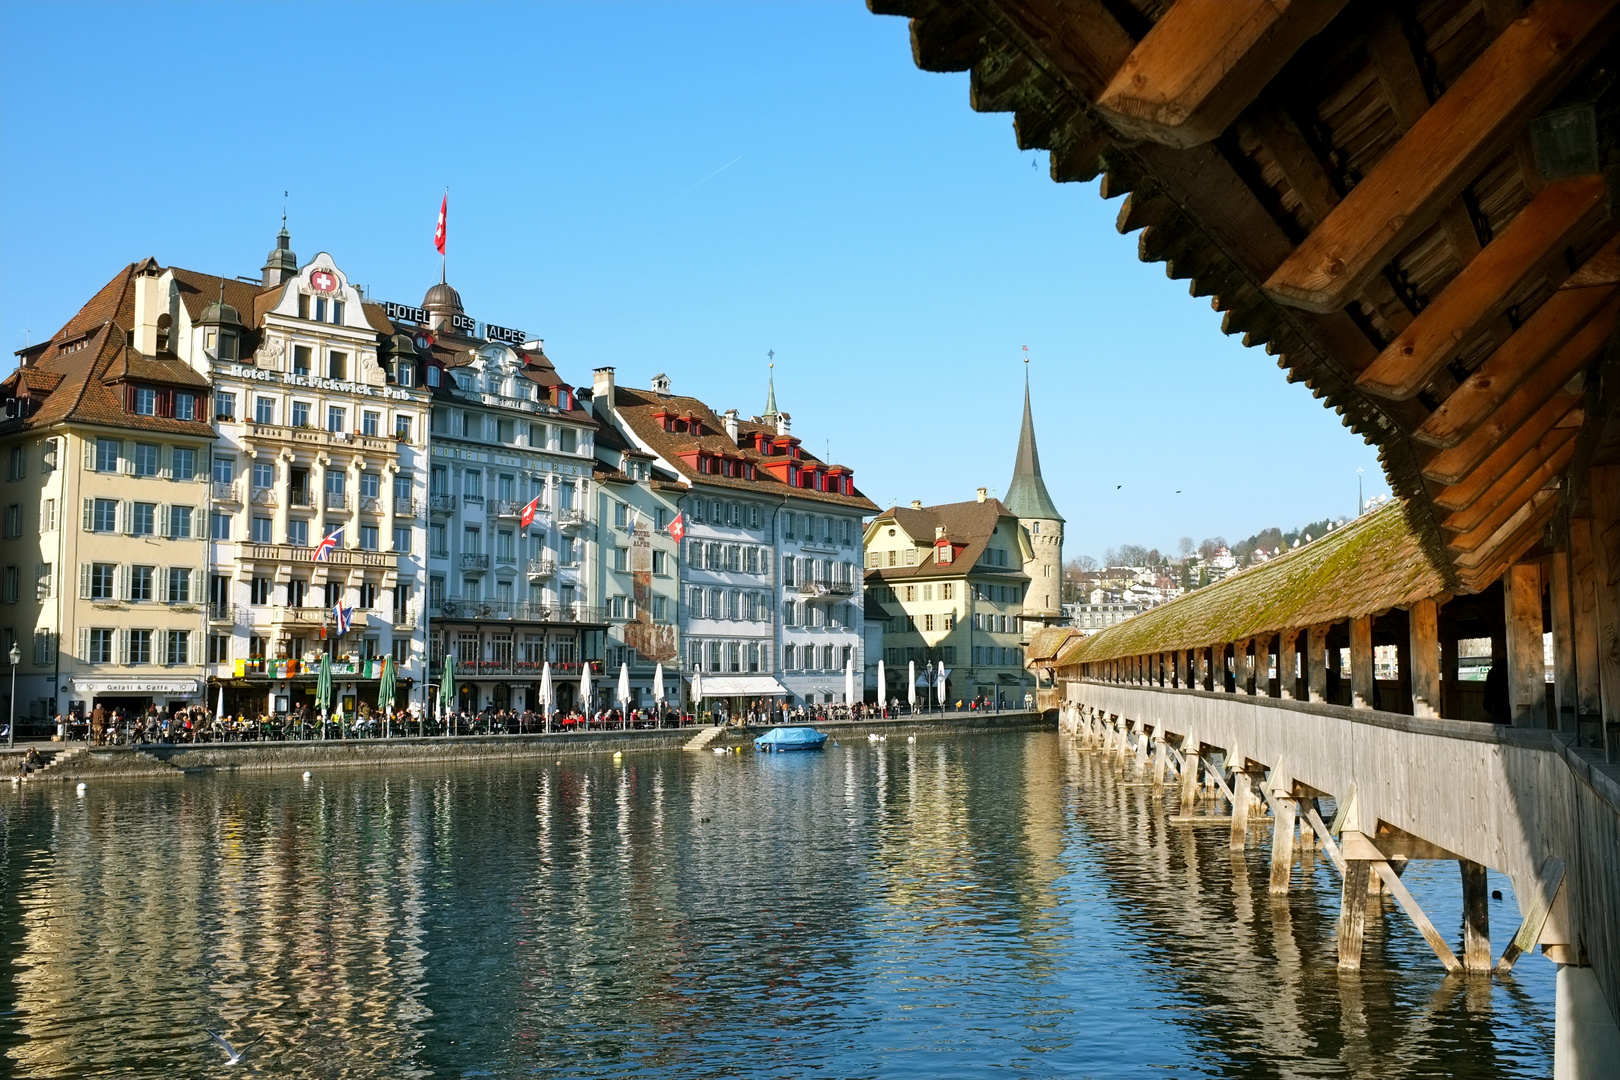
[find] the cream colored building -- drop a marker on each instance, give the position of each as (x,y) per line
(103,551)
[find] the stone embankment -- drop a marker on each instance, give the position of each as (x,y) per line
(81,763)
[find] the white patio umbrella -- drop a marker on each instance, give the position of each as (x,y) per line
(585,689)
(545,693)
(939,683)
(624,686)
(697,689)
(911,683)
(883,688)
(658,684)
(849,682)
(219,709)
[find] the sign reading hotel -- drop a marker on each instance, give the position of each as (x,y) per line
(468,325)
(314,382)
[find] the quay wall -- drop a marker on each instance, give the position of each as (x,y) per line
(157,761)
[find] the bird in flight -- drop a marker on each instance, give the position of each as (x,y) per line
(1118,486)
(233,1055)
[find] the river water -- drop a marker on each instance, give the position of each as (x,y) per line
(997,904)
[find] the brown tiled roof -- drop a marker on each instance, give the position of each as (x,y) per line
(1375,563)
(968,525)
(636,408)
(1047,642)
(165,369)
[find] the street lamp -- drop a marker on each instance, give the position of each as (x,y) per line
(11,728)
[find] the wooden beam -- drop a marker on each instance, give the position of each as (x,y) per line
(1484,110)
(1324,835)
(1526,663)
(1563,632)
(1362,690)
(1584,599)
(1571,326)
(1483,491)
(1476,917)
(1190,757)
(1516,427)
(1423,621)
(1202,64)
(1392,882)
(1605,501)
(1316,663)
(1352,913)
(1522,531)
(1533,909)
(1530,475)
(1288,665)
(1482,291)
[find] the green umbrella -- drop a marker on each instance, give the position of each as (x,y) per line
(323,689)
(385,694)
(447,685)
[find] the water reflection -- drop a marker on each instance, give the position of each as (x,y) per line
(954,906)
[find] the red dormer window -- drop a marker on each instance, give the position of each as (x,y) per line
(694,426)
(665,420)
(943,553)
(565,399)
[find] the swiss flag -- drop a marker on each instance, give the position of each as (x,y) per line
(438,233)
(528,512)
(677,528)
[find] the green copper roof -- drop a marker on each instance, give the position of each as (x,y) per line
(770,397)
(1026,495)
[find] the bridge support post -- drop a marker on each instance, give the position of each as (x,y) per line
(1160,753)
(1189,773)
(1424,622)
(1353,913)
(1241,782)
(1476,917)
(1361,663)
(1526,658)
(1586,1042)
(1282,844)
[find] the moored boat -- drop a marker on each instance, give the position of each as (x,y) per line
(790,738)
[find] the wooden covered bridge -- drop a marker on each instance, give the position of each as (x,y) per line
(1412,206)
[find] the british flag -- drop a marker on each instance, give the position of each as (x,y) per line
(324,548)
(344,617)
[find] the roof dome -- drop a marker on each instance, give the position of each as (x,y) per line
(443,300)
(219,313)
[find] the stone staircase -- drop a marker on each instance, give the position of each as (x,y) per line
(85,763)
(702,739)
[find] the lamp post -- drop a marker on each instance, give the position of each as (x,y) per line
(11,728)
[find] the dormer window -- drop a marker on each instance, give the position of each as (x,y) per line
(433,376)
(145,401)
(163,325)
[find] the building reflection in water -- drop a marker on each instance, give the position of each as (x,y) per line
(986,902)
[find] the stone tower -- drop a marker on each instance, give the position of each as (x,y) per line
(1027,497)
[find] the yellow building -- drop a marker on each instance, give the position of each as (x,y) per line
(950,582)
(105,507)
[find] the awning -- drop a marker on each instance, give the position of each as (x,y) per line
(742,686)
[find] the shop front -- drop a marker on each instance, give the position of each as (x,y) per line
(133,696)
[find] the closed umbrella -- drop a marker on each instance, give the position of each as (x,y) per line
(658,684)
(911,683)
(624,694)
(447,687)
(323,689)
(585,690)
(697,690)
(849,682)
(883,689)
(545,693)
(939,683)
(219,709)
(385,695)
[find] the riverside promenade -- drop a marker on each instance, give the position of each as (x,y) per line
(79,763)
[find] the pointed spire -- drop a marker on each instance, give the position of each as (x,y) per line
(1026,494)
(770,397)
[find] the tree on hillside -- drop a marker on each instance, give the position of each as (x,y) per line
(1184,547)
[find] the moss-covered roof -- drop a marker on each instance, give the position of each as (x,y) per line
(1371,565)
(1047,642)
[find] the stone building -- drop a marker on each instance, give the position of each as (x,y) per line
(1027,497)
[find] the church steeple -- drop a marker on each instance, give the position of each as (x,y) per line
(1026,494)
(770,395)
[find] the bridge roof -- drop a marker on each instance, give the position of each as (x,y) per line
(1371,565)
(1402,203)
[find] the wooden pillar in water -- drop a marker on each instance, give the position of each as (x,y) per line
(1307,834)
(1189,773)
(1353,912)
(1424,623)
(1526,656)
(1241,783)
(1476,917)
(1282,843)
(1316,663)
(1361,663)
(1160,755)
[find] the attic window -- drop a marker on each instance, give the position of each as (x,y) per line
(163,324)
(433,376)
(943,553)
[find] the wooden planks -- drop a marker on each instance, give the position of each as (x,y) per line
(1409,904)
(1536,479)
(1484,110)
(1516,427)
(1484,490)
(1534,908)
(1423,620)
(1202,64)
(1481,292)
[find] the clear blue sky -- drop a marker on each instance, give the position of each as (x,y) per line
(678,188)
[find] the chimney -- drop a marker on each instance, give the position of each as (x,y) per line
(916,504)
(602,387)
(730,418)
(784,424)
(982,493)
(939,532)
(148,306)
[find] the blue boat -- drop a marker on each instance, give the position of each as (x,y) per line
(790,738)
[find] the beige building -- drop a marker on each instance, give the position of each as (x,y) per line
(950,582)
(105,500)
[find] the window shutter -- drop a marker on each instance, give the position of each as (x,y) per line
(196,586)
(89,456)
(84,581)
(126,459)
(163,519)
(122,579)
(123,646)
(84,643)
(89,514)
(127,517)
(163,585)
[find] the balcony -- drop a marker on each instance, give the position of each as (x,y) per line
(506,558)
(454,607)
(826,588)
(442,504)
(476,562)
(570,519)
(263,496)
(226,492)
(541,569)
(302,497)
(406,508)
(339,556)
(222,612)
(337,500)
(371,504)
(471,497)
(307,436)
(314,617)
